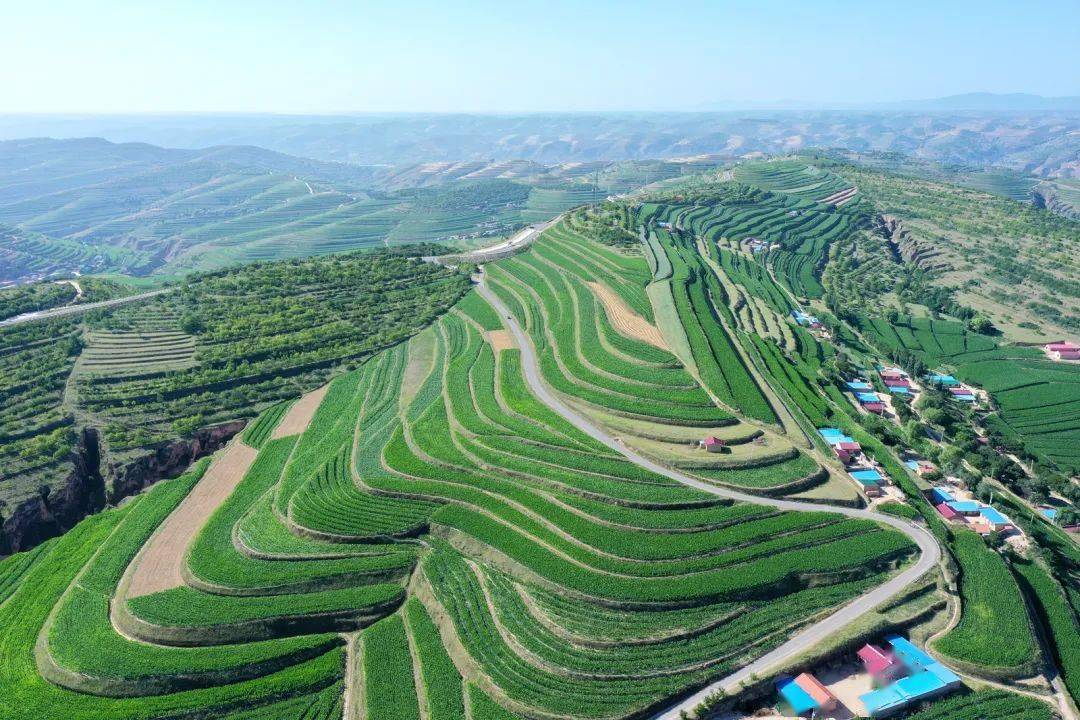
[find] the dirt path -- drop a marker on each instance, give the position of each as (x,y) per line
(299,416)
(625,320)
(500,340)
(159,565)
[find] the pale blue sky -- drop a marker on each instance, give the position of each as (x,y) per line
(335,56)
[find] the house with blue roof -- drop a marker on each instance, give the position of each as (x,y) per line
(965,507)
(926,678)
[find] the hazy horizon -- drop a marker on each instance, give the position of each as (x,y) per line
(119,57)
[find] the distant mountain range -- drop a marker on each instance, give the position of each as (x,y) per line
(1024,133)
(966,102)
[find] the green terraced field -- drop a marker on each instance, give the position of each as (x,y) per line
(475,465)
(442,542)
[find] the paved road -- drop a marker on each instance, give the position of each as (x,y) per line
(929,556)
(72,309)
(494,252)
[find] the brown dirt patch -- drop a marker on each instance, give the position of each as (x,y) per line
(500,339)
(299,416)
(159,566)
(625,320)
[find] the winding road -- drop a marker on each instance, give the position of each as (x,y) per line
(930,552)
(72,309)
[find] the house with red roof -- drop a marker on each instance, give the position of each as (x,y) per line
(713,444)
(822,696)
(880,664)
(875,407)
(1063,350)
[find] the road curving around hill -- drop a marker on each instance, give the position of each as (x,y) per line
(78,308)
(930,551)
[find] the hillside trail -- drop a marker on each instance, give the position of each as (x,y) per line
(930,552)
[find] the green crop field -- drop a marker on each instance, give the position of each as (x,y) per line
(991,632)
(452,526)
(1037,400)
(478,466)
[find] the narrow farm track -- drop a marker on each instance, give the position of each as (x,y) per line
(930,552)
(72,309)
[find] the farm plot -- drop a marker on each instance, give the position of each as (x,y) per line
(316,538)
(262,334)
(36,433)
(1037,400)
(133,354)
(582,354)
(992,633)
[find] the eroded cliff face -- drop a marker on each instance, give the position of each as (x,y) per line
(94,482)
(53,512)
(918,252)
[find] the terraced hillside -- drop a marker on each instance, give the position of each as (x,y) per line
(93,206)
(1037,400)
(497,502)
(555,577)
(1008,260)
(99,404)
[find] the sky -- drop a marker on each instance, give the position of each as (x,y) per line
(117,56)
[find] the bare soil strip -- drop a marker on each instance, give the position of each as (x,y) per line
(625,320)
(500,340)
(840,197)
(159,565)
(300,414)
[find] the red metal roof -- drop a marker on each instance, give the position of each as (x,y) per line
(875,659)
(874,407)
(815,689)
(849,445)
(946,512)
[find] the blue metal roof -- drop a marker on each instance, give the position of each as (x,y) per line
(910,654)
(993,516)
(859,385)
(942,494)
(799,700)
(866,397)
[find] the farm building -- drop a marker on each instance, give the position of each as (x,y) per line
(925,678)
(941,495)
(875,407)
(996,520)
(943,380)
(870,480)
(793,698)
(859,385)
(964,507)
(805,694)
(881,665)
(805,320)
(713,444)
(962,394)
(1063,351)
(946,512)
(834,436)
(867,397)
(920,467)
